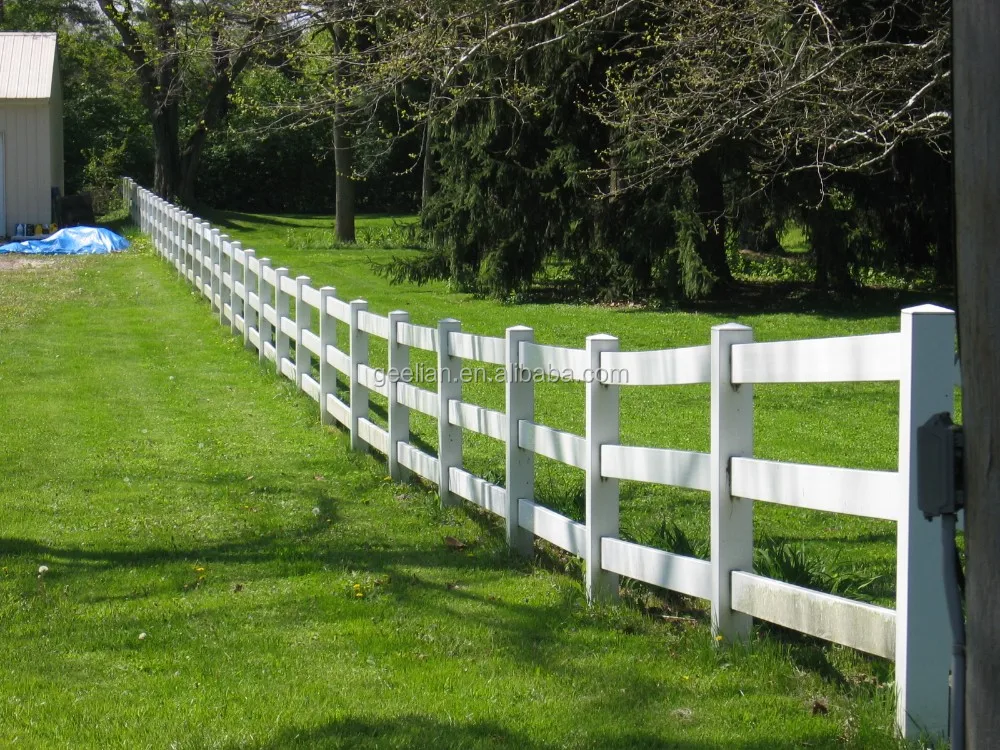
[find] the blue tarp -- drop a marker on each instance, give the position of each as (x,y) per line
(71,241)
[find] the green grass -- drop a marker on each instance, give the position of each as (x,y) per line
(290,596)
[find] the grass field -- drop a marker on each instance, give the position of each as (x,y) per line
(223,572)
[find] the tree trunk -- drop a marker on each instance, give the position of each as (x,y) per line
(343,157)
(712,208)
(427,182)
(977,200)
(190,161)
(343,152)
(167,160)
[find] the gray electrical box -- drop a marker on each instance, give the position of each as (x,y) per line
(940,466)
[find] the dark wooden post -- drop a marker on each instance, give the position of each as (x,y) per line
(977,204)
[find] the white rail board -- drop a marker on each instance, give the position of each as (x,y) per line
(857,492)
(478,348)
(662,367)
(311,387)
(686,575)
(830,360)
(338,359)
(254,336)
(288,368)
(270,315)
(240,323)
(477,490)
(561,446)
(310,341)
(374,435)
(254,264)
(374,324)
(269,275)
(227,249)
(288,328)
(552,527)
(571,363)
(240,256)
(419,337)
(862,626)
(689,469)
(478,419)
(310,296)
(253,301)
(269,350)
(338,309)
(417,398)
(227,280)
(418,462)
(227,311)
(338,410)
(373,380)
(289,286)
(239,290)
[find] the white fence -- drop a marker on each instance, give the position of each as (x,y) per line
(271,310)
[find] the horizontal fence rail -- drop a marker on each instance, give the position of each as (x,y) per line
(292,327)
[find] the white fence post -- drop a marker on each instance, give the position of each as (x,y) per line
(171,222)
(216,251)
(449,374)
(303,321)
(207,272)
(177,224)
(199,262)
(327,338)
(186,245)
(249,287)
(602,428)
(265,298)
(731,517)
(225,264)
(236,301)
(157,236)
(519,463)
(359,356)
(923,630)
(282,306)
(399,414)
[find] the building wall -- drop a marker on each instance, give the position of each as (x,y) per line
(28,160)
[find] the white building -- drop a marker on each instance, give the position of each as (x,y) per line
(31,131)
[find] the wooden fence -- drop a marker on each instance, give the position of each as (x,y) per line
(291,324)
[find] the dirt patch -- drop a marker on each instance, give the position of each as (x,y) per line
(15,262)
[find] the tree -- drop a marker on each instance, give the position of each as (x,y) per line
(977,198)
(186,57)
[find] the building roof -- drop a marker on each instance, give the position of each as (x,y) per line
(27,63)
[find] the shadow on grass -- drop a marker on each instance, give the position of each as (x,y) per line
(748,299)
(422,732)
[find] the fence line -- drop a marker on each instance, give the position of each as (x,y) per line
(271,311)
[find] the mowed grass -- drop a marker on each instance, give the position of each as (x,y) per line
(850,424)
(222,572)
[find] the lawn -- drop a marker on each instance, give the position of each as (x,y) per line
(220,571)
